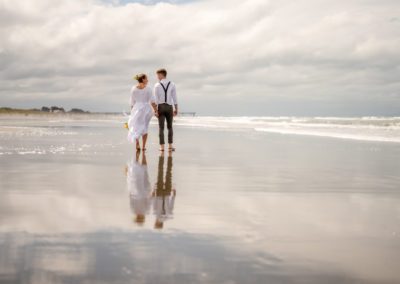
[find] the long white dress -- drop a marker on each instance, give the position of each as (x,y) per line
(141,112)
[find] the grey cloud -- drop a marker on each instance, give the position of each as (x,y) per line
(322,51)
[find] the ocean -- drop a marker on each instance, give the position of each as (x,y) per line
(241,200)
(378,129)
(385,129)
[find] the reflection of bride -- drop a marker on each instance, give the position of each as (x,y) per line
(139,188)
(164,193)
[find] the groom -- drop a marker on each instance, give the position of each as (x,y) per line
(164,103)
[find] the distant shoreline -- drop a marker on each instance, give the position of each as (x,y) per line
(38,112)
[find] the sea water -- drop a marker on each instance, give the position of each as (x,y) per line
(258,200)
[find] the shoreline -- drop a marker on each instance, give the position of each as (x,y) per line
(55,114)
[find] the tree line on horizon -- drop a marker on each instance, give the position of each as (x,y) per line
(52,109)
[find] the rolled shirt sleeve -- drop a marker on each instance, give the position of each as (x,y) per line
(173,94)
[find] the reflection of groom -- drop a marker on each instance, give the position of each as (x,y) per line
(165,101)
(164,193)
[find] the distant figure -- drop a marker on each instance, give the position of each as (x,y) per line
(141,112)
(139,188)
(165,101)
(164,193)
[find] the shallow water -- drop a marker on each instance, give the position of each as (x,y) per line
(238,206)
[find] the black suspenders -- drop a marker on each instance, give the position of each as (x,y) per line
(165,90)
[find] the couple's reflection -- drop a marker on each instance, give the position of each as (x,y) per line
(143,198)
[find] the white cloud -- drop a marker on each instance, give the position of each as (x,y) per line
(274,57)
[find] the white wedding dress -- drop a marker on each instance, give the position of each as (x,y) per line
(141,113)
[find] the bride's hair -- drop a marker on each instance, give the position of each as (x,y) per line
(140,77)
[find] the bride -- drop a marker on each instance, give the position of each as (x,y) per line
(141,111)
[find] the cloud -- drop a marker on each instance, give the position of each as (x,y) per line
(228,57)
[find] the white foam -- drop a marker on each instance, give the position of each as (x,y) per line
(385,129)
(33,131)
(330,134)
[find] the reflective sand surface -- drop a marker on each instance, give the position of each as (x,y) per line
(78,206)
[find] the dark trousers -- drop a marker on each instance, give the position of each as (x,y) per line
(164,188)
(165,112)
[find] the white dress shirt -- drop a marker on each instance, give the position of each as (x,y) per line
(163,207)
(159,94)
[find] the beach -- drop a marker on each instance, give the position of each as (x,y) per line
(257,200)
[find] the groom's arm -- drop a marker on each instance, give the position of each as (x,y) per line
(173,94)
(176,110)
(155,109)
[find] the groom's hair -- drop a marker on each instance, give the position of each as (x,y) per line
(162,72)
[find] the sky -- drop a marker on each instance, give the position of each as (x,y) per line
(227,57)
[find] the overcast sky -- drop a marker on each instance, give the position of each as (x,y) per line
(227,57)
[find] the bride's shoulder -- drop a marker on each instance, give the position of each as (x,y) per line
(133,90)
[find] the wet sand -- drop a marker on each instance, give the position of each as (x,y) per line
(235,206)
